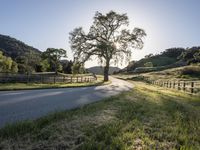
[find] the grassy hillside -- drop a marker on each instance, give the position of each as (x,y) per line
(157,61)
(190,72)
(13,48)
(170,58)
(186,72)
(147,117)
(167,57)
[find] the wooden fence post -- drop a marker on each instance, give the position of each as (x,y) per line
(178,85)
(54,79)
(27,78)
(184,86)
(174,85)
(42,79)
(192,87)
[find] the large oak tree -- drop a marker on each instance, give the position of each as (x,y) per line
(108,38)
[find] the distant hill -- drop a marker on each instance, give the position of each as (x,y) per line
(170,58)
(99,69)
(13,48)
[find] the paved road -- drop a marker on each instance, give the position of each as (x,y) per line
(32,104)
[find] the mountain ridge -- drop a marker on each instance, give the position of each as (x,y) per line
(13,47)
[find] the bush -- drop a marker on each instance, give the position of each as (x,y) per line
(191,70)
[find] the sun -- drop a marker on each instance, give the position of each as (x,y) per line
(117,45)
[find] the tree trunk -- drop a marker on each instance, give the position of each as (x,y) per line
(106,70)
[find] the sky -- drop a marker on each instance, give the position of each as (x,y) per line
(47,23)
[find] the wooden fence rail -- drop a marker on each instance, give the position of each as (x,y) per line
(192,87)
(45,78)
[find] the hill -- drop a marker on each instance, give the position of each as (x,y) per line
(170,58)
(13,48)
(185,72)
(99,69)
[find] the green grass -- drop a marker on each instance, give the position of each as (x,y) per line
(26,86)
(147,117)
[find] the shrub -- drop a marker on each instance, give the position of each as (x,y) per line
(191,70)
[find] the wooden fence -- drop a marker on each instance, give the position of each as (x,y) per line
(50,77)
(188,86)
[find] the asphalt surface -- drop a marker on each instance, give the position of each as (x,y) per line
(31,104)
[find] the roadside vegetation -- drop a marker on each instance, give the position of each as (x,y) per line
(147,117)
(26,86)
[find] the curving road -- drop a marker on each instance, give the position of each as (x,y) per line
(31,104)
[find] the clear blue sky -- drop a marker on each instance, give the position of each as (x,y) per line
(47,23)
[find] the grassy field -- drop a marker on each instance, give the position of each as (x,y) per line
(190,72)
(147,117)
(24,86)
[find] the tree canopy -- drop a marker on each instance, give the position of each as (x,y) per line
(28,62)
(7,64)
(53,56)
(191,55)
(108,38)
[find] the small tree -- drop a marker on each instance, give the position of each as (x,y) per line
(197,56)
(54,55)
(77,68)
(28,62)
(14,67)
(44,65)
(7,64)
(107,39)
(67,66)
